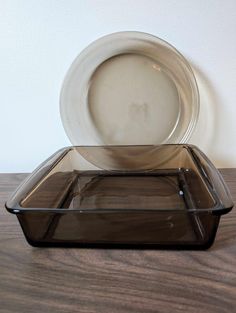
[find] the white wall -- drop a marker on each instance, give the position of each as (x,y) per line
(40,39)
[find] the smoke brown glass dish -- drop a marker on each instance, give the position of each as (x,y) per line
(168,196)
(129,88)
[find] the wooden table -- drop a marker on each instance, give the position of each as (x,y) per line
(85,280)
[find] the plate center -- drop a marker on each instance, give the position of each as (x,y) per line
(133,100)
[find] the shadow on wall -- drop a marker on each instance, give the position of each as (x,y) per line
(207,130)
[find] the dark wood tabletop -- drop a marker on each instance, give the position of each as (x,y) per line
(102,280)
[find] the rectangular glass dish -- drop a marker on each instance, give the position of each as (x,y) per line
(167,196)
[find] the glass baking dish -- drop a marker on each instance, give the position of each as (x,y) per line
(164,196)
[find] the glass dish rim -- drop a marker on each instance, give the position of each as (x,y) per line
(13,204)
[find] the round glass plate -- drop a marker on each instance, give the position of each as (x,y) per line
(129,88)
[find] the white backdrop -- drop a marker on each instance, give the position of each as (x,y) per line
(40,39)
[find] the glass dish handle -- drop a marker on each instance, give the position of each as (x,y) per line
(13,204)
(214,179)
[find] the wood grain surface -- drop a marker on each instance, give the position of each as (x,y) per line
(98,280)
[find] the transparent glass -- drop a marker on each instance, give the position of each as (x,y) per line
(127,102)
(129,88)
(167,196)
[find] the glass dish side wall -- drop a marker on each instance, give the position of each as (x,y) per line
(132,229)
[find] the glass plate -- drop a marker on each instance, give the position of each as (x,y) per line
(129,88)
